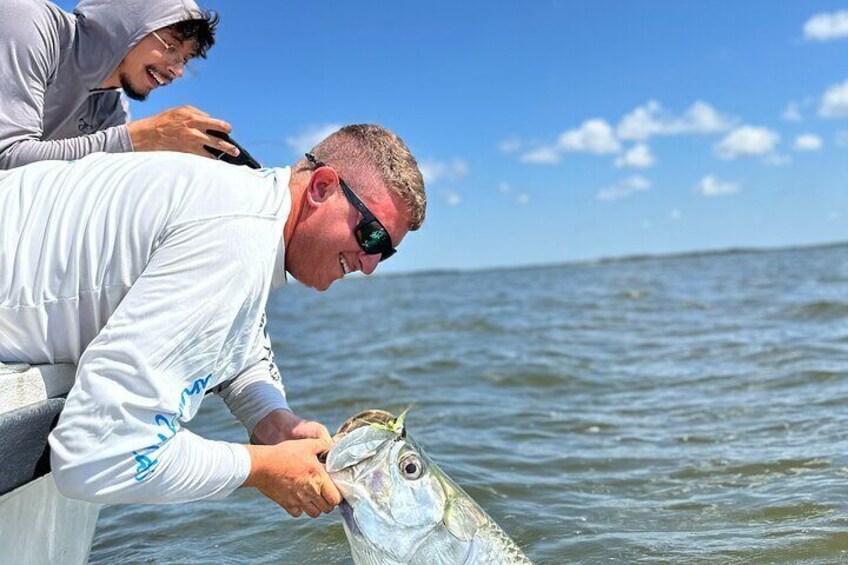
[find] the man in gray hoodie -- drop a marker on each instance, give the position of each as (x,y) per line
(61,77)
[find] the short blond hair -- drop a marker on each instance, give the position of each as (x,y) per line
(362,152)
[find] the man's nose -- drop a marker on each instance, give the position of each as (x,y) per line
(369,262)
(177,70)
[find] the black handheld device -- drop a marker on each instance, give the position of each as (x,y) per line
(244,158)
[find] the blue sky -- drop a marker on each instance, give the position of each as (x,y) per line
(554,131)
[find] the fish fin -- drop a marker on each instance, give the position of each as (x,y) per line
(462,518)
(397,425)
(394,425)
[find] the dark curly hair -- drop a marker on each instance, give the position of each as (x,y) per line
(200,30)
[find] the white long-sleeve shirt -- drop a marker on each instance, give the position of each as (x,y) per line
(150,272)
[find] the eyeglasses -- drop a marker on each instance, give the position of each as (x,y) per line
(172,53)
(371,235)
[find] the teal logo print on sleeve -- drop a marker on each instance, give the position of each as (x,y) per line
(146,463)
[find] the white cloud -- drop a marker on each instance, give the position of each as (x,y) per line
(510,145)
(311,137)
(541,156)
(624,188)
(598,137)
(436,171)
(504,188)
(451,197)
(593,136)
(639,156)
(710,185)
(808,142)
(651,119)
(703,118)
(523,199)
(641,123)
(792,113)
(747,141)
(834,216)
(834,102)
(675,214)
(827,26)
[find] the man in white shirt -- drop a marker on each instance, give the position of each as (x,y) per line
(151,272)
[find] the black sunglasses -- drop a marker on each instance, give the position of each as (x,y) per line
(371,235)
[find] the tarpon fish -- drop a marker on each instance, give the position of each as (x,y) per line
(400,508)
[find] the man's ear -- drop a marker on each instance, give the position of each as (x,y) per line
(325,182)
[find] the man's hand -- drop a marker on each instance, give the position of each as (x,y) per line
(282,425)
(180,129)
(290,474)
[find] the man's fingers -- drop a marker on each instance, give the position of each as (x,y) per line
(293,511)
(201,139)
(316,431)
(321,503)
(323,434)
(231,149)
(190,109)
(223,146)
(311,509)
(331,494)
(204,123)
(307,429)
(318,446)
(198,150)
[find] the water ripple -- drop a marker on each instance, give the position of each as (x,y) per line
(661,411)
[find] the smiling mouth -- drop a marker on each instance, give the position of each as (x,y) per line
(345,267)
(157,78)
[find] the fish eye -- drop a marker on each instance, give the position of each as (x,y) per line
(411,467)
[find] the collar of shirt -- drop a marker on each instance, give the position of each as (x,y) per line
(279,278)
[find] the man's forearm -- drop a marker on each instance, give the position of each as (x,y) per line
(274,428)
(112,140)
(183,469)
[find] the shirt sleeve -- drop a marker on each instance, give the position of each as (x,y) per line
(28,59)
(192,312)
(27,150)
(257,391)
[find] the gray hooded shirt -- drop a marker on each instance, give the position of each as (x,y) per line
(52,65)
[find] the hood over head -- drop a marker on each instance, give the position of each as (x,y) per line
(108,29)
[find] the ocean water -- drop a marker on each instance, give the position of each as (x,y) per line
(678,410)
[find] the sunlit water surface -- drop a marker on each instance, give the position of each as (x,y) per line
(681,410)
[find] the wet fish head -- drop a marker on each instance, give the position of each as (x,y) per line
(393,495)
